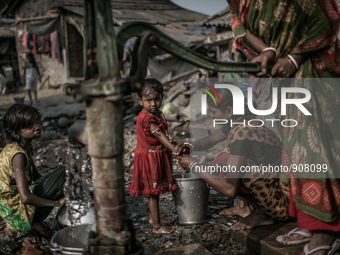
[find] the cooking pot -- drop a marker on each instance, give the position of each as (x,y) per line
(89,218)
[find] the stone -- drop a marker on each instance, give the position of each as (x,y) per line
(262,240)
(197,249)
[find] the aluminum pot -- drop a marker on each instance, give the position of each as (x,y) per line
(191,199)
(63,217)
(89,218)
(63,243)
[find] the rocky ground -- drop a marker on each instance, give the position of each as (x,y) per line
(51,151)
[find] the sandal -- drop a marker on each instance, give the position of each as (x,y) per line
(332,249)
(282,239)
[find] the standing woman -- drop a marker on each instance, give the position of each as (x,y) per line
(300,39)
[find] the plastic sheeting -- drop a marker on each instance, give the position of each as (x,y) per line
(46,28)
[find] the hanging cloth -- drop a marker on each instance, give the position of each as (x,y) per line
(55,45)
(24,38)
(34,46)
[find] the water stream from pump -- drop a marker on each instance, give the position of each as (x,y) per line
(76,187)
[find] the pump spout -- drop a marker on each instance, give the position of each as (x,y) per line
(77,134)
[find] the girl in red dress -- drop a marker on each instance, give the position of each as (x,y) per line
(152,169)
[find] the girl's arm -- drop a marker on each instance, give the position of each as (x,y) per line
(203,143)
(25,195)
(161,137)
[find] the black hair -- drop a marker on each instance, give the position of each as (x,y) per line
(227,101)
(153,84)
(17,117)
(31,55)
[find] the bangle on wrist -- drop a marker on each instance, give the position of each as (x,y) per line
(192,149)
(292,61)
(270,49)
(192,164)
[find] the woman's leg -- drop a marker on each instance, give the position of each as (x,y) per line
(154,210)
(51,188)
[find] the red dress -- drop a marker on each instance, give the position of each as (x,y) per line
(152,168)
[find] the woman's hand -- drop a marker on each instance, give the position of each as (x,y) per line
(62,201)
(184,161)
(282,68)
(181,149)
(265,58)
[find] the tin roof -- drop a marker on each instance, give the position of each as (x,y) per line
(151,11)
(221,18)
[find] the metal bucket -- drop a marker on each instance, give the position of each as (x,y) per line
(191,199)
(63,243)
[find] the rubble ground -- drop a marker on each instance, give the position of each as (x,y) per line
(51,150)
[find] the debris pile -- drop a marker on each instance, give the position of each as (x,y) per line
(50,151)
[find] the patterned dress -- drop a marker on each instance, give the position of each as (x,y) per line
(298,27)
(17,215)
(269,191)
(152,168)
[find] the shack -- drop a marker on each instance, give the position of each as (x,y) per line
(53,30)
(224,37)
(9,67)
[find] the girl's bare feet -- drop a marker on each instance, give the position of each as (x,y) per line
(159,229)
(253,220)
(162,220)
(240,209)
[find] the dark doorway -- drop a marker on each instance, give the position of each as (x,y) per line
(75,51)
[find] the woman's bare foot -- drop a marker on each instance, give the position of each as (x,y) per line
(42,229)
(164,230)
(320,238)
(162,220)
(240,209)
(253,220)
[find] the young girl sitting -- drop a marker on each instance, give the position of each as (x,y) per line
(152,170)
(26,198)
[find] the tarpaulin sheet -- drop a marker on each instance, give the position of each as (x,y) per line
(46,28)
